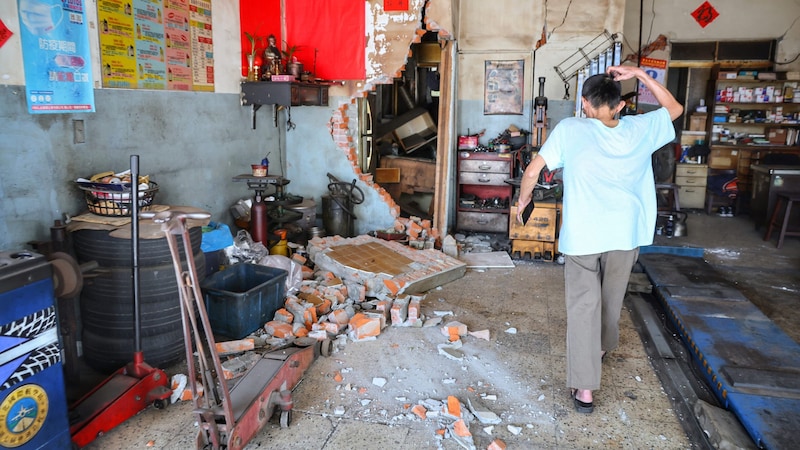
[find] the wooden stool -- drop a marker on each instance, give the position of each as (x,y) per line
(783,200)
(673,204)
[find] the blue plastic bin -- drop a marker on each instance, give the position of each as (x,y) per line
(243,297)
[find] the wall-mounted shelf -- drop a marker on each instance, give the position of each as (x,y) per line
(283,93)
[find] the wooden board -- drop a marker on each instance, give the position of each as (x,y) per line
(491,260)
(387,175)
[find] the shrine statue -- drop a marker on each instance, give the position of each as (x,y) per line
(272,56)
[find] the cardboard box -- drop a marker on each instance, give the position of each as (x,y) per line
(723,158)
(416,132)
(777,136)
(697,122)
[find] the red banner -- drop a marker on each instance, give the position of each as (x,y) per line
(330,37)
(260,18)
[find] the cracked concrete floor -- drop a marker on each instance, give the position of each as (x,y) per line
(525,371)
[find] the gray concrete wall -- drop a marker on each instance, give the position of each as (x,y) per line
(191,144)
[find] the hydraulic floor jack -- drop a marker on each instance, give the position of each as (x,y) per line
(229,418)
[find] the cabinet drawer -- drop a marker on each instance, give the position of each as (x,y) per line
(691,181)
(484,178)
(482,222)
(477,165)
(692,197)
(691,170)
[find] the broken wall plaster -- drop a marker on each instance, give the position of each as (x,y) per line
(389,37)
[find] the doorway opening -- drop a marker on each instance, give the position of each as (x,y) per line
(399,135)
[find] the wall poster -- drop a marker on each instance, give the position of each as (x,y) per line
(503,89)
(656,68)
(156,44)
(56,56)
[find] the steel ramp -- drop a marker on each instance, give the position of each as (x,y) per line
(751,365)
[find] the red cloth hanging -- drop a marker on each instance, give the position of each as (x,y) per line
(335,29)
(261,18)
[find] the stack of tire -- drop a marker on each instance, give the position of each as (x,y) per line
(107,300)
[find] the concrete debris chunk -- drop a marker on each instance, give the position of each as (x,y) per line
(488,430)
(431,404)
(511,330)
(497,444)
(451,350)
(237,366)
(399,310)
(515,430)
(483,414)
(420,411)
(454,330)
(459,431)
(363,326)
(432,322)
(378,381)
(339,410)
(482,334)
(237,346)
(452,408)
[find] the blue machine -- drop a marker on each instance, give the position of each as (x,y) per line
(33,401)
(750,364)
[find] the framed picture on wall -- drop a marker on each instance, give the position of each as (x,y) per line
(503,88)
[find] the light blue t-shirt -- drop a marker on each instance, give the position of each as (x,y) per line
(609,189)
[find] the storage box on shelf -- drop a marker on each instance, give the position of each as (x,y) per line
(752,114)
(484,195)
(692,179)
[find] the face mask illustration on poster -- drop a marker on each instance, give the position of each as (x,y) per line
(41,16)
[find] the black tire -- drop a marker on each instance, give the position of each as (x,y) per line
(107,354)
(107,306)
(109,251)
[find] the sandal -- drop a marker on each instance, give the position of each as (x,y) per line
(580,406)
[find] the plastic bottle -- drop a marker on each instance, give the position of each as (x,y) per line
(280,247)
(265,163)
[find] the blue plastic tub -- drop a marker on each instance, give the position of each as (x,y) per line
(243,297)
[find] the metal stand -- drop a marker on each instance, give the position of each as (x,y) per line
(228,418)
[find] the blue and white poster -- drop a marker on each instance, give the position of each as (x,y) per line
(56,56)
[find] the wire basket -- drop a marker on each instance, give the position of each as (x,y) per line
(114,200)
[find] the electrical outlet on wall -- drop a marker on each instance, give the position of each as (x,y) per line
(78,132)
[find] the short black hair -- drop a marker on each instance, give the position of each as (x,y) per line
(601,89)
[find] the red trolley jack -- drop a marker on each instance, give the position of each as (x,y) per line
(132,388)
(229,418)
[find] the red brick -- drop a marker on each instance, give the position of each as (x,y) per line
(362,326)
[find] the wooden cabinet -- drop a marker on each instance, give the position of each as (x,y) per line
(284,93)
(484,197)
(692,180)
(750,119)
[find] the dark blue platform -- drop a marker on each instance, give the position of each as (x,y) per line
(752,366)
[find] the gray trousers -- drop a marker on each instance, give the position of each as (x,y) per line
(595,287)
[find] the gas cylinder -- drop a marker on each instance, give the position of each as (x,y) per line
(258,220)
